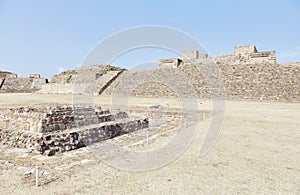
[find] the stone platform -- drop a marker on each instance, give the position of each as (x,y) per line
(53,129)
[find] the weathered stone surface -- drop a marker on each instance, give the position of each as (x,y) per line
(62,128)
(169,63)
(96,77)
(190,55)
(246,74)
(11,83)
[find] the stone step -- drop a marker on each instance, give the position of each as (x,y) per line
(50,143)
(53,142)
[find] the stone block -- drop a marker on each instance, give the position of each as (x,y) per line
(191,55)
(169,63)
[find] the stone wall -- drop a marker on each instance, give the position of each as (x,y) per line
(246,74)
(35,76)
(190,55)
(22,85)
(49,144)
(11,83)
(169,63)
(75,81)
(262,81)
(57,88)
(252,81)
(150,83)
(25,119)
(242,55)
(62,128)
(245,49)
(226,59)
(5,74)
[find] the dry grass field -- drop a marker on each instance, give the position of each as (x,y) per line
(258,151)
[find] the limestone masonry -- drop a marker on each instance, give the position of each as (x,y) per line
(242,55)
(11,83)
(52,129)
(246,74)
(65,82)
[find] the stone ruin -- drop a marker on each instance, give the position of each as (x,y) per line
(172,63)
(247,74)
(242,55)
(67,81)
(55,129)
(11,83)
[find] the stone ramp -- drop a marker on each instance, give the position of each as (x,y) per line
(106,79)
(1,82)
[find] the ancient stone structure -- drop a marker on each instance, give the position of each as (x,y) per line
(188,55)
(11,83)
(34,76)
(170,63)
(246,74)
(52,129)
(242,55)
(245,49)
(69,81)
(247,55)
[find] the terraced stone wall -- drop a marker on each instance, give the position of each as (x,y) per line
(53,129)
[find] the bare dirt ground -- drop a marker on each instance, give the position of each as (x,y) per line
(258,151)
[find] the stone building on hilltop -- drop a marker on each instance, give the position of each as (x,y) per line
(242,55)
(11,83)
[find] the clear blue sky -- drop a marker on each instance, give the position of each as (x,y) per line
(48,36)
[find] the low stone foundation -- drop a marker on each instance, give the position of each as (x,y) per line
(55,129)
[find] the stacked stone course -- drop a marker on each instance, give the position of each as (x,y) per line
(53,129)
(11,83)
(97,77)
(246,75)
